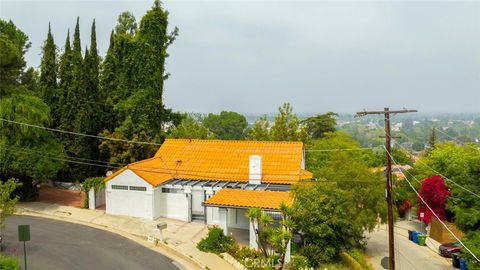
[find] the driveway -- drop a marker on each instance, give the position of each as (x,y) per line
(408,255)
(61,245)
(61,196)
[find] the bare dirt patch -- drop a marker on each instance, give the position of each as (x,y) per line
(62,196)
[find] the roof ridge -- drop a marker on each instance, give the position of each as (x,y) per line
(140,161)
(233,141)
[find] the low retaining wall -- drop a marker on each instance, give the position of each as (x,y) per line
(228,258)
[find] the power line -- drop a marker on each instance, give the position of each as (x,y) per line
(150,143)
(339,149)
(431,210)
(446,178)
(386,112)
(172,172)
(451,137)
(76,133)
(66,160)
(70,157)
(446,134)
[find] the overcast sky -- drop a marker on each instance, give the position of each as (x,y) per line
(251,56)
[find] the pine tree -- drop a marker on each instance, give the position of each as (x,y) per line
(48,77)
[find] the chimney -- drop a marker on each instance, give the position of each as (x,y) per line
(255,170)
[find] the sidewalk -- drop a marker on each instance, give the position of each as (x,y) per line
(180,237)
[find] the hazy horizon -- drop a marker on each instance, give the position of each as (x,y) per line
(252,56)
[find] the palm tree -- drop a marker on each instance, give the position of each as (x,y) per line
(254,215)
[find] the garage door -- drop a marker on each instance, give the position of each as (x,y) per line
(136,203)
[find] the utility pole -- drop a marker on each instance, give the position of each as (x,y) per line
(391,243)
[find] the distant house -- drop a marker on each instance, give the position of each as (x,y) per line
(213,181)
(398,170)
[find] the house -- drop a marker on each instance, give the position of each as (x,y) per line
(212,181)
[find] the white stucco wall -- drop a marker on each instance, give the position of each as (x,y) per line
(237,219)
(173,205)
(157,209)
(212,216)
(129,202)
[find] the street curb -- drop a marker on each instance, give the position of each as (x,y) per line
(169,252)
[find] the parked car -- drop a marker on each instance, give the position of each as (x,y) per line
(447,249)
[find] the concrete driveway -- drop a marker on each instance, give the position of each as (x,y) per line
(408,255)
(61,245)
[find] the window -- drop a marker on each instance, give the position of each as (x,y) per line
(171,190)
(138,188)
(119,187)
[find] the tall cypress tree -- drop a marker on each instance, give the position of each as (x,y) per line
(48,77)
(144,107)
(65,82)
(74,90)
(108,85)
(64,70)
(92,62)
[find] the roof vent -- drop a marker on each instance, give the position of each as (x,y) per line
(255,170)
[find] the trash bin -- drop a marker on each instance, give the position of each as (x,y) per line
(463,264)
(422,239)
(410,232)
(456,260)
(415,237)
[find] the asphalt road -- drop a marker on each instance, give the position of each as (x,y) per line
(408,255)
(62,245)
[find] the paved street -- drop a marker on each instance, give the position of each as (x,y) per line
(61,245)
(409,256)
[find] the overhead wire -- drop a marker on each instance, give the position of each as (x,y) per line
(157,144)
(76,133)
(190,173)
(431,210)
(444,177)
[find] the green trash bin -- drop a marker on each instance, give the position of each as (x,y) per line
(421,240)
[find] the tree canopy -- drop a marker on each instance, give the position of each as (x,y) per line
(320,124)
(24,151)
(286,127)
(226,125)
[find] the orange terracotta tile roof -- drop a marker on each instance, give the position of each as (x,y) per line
(250,198)
(221,160)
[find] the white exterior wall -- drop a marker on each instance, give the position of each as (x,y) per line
(173,205)
(212,216)
(237,219)
(129,202)
(157,208)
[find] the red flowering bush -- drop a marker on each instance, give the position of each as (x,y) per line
(404,207)
(435,194)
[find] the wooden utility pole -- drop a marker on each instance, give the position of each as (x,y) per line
(391,243)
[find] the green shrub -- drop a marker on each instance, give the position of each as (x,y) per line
(317,255)
(472,241)
(358,255)
(350,261)
(9,263)
(93,182)
(298,263)
(216,242)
